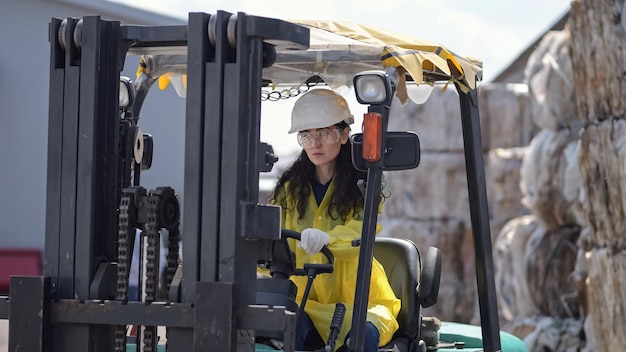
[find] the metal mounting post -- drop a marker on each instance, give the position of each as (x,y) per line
(485,272)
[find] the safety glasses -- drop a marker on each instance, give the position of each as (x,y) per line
(321,137)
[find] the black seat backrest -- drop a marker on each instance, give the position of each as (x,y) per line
(401,261)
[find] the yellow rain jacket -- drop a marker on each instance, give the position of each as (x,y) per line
(339,286)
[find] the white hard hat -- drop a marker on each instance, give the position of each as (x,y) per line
(319,108)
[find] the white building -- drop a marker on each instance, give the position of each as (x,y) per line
(24,86)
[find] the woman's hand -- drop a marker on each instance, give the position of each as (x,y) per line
(312,240)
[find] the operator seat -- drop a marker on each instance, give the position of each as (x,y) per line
(401,261)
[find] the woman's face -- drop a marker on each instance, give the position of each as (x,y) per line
(322,145)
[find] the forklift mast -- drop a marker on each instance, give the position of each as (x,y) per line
(210,307)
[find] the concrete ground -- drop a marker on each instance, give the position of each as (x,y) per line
(4,335)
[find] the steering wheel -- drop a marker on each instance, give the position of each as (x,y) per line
(279,288)
(309,268)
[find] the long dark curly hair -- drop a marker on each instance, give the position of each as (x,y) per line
(347,195)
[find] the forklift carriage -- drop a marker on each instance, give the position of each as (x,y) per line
(226,64)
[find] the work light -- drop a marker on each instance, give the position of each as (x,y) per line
(372,87)
(126,94)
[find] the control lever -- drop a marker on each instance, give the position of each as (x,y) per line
(335,327)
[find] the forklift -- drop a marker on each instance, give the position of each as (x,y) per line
(211,299)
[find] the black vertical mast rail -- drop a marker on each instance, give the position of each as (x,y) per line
(55,151)
(67,194)
(209,73)
(199,53)
(236,222)
(240,142)
(479,212)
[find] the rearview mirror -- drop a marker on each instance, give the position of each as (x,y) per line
(402,151)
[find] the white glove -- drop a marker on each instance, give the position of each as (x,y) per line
(312,240)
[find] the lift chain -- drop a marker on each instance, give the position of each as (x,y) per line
(163,212)
(292,92)
(127,225)
(152,228)
(152,248)
(126,231)
(120,161)
(172,255)
(171,222)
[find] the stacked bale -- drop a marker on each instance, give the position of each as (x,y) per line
(536,254)
(598,60)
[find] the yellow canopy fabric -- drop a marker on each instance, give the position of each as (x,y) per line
(337,51)
(400,50)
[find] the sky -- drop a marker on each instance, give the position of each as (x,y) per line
(493,31)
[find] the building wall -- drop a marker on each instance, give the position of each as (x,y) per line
(24,86)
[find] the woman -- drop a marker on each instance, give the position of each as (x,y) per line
(320,198)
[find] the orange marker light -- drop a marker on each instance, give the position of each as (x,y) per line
(372,136)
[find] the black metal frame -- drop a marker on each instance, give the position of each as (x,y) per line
(479,213)
(224,227)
